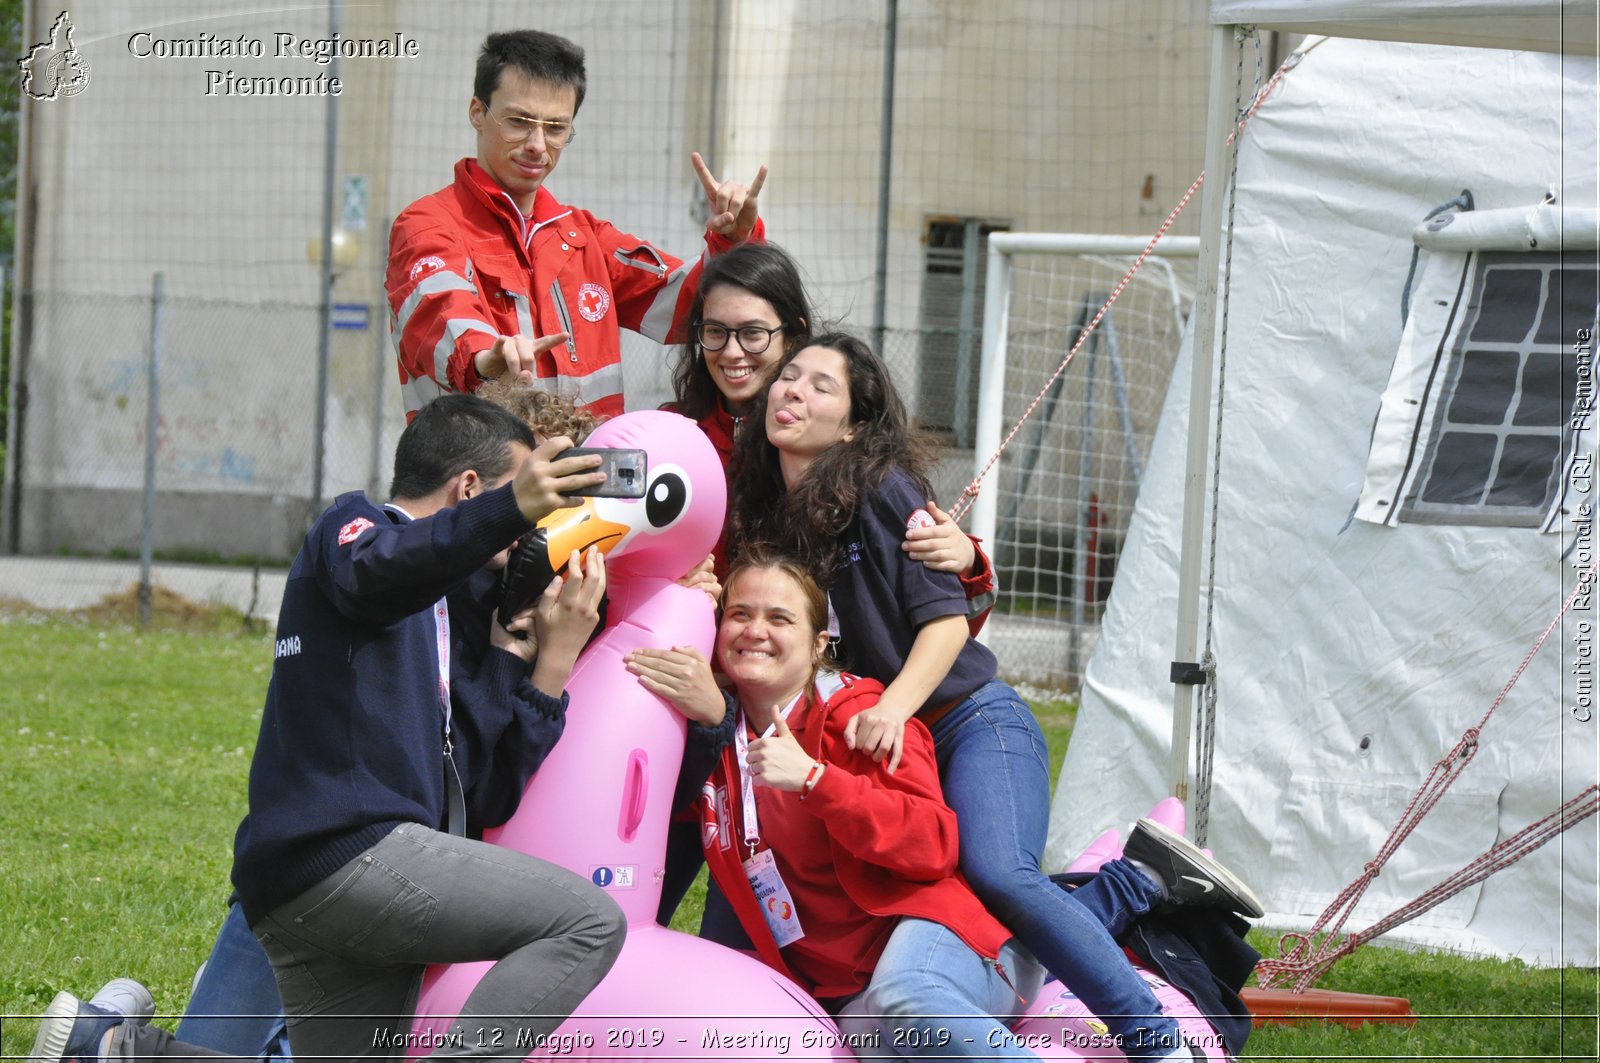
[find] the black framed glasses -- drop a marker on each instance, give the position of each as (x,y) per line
(752,339)
(518,129)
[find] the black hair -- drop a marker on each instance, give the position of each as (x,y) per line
(450,435)
(539,55)
(763,270)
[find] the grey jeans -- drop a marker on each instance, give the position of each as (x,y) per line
(348,952)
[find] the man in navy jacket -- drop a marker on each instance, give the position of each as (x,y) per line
(351,864)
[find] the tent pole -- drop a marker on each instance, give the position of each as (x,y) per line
(1220,119)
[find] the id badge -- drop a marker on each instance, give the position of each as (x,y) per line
(777,907)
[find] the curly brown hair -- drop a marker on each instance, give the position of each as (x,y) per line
(806,520)
(548,414)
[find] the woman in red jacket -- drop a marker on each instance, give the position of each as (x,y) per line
(842,872)
(829,861)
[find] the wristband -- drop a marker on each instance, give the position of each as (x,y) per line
(811,779)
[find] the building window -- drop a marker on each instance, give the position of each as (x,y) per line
(951,325)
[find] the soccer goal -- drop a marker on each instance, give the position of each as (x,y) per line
(1055,507)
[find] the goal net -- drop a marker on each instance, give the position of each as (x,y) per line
(1056,506)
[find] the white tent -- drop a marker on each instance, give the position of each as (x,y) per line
(1354,649)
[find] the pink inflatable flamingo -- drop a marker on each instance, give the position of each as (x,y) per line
(599,804)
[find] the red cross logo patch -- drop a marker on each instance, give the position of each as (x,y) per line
(349,532)
(593,301)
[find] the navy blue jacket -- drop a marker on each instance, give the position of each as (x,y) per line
(503,726)
(1201,951)
(882,597)
(352,734)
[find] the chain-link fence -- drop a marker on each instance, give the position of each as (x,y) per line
(182,152)
(1066,483)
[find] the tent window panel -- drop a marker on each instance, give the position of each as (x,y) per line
(1502,419)
(1527,464)
(1571,308)
(1508,306)
(1458,473)
(1483,394)
(1542,399)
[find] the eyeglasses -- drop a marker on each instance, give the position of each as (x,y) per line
(753,339)
(515,129)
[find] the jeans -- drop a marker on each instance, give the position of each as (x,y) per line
(931,995)
(1117,894)
(348,953)
(235,1007)
(996,776)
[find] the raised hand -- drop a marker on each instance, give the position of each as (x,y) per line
(545,483)
(515,355)
(777,760)
(733,205)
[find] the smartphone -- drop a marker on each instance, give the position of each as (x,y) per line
(627,471)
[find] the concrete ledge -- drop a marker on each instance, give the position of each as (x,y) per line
(71,583)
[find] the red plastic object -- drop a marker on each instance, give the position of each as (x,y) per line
(1329,1005)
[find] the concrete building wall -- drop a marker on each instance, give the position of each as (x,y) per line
(1034,114)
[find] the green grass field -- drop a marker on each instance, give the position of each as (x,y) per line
(122,776)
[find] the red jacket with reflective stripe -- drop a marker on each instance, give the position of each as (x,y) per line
(465,267)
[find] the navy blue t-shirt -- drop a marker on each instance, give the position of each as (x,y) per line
(881,596)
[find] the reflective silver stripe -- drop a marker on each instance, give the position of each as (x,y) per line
(524,313)
(584,390)
(657,320)
(419,392)
(432,284)
(600,384)
(979,602)
(454,329)
(656,265)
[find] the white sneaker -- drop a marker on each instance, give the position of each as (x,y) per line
(128,998)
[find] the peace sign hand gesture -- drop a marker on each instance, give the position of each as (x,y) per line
(733,205)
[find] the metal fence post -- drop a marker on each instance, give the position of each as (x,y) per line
(891,20)
(330,153)
(381,370)
(152,420)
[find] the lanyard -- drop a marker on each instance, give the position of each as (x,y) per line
(441,627)
(747,786)
(456,814)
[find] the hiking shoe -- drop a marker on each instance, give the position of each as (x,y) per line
(1185,874)
(127,997)
(72,1030)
